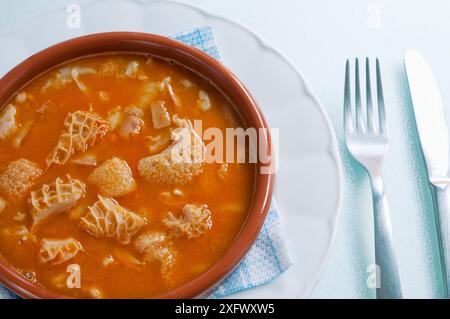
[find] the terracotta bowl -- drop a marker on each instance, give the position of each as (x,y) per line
(190,58)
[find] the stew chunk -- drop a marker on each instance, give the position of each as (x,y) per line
(80,132)
(7,121)
(108,219)
(55,252)
(17,177)
(55,198)
(113,178)
(160,115)
(155,248)
(195,221)
(180,162)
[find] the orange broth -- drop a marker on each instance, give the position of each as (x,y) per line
(46,107)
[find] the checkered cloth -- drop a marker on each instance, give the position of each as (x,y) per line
(269,257)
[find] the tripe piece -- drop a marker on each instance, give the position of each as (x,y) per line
(194,222)
(80,132)
(55,252)
(57,197)
(106,218)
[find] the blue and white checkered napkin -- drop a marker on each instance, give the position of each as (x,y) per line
(268,257)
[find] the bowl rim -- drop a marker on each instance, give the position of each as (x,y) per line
(197,61)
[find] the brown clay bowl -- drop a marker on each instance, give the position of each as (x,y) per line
(190,58)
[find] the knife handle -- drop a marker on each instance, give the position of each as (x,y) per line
(442,202)
(385,257)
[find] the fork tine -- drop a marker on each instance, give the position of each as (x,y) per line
(348,121)
(358,108)
(380,97)
(370,110)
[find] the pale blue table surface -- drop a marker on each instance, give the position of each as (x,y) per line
(318,36)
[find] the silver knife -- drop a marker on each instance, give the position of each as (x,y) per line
(433,133)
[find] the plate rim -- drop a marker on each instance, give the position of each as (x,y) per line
(332,149)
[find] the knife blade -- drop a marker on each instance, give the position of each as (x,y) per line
(433,135)
(429,114)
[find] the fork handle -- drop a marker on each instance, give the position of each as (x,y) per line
(389,285)
(442,202)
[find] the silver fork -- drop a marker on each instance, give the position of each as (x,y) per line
(367,140)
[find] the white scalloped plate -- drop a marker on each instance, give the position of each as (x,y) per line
(309,178)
